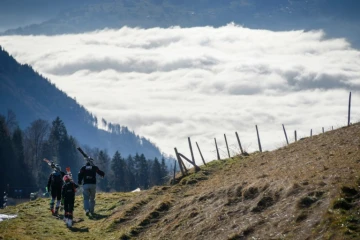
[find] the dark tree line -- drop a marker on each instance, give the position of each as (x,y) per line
(22,153)
(136,171)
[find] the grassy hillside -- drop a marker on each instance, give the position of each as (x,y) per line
(307,190)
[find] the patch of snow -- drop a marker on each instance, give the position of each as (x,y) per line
(4,217)
(136,190)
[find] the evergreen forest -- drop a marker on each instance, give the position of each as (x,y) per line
(23,170)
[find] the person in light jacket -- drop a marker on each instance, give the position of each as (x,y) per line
(87,178)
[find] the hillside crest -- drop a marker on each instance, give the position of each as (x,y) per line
(306,190)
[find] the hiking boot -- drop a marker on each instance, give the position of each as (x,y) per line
(69,222)
(52,211)
(87,212)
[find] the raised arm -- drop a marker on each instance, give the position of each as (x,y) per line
(49,183)
(80,176)
(101,173)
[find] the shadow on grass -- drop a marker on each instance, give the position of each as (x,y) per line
(77,220)
(96,216)
(59,216)
(75,229)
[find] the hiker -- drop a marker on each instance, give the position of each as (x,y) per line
(54,186)
(68,199)
(87,174)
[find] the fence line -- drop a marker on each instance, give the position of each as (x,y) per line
(180,157)
(349,109)
(287,141)
(217,150)
(257,132)
(227,146)
(191,151)
(238,139)
(202,158)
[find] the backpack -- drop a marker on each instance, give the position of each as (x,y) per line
(69,189)
(56,179)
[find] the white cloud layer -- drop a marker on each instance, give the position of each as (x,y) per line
(203,82)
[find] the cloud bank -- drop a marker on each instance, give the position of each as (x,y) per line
(203,82)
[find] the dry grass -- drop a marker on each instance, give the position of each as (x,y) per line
(307,190)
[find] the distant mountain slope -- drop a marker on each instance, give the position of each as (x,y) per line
(31,96)
(16,13)
(338,18)
(306,190)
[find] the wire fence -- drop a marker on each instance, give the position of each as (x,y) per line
(233,150)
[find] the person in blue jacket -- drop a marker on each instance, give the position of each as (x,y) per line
(54,186)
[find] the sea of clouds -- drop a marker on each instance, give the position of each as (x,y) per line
(203,82)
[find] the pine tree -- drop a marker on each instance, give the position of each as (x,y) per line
(130,174)
(7,176)
(118,167)
(142,172)
(62,147)
(164,171)
(103,164)
(57,138)
(68,155)
(58,130)
(155,173)
(24,177)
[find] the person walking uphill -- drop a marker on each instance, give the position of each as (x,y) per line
(68,199)
(54,186)
(87,175)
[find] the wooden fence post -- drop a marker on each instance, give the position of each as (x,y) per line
(227,146)
(349,109)
(257,132)
(192,154)
(287,141)
(238,139)
(217,150)
(200,153)
(183,165)
(310,132)
(197,168)
(323,129)
(295,135)
(180,162)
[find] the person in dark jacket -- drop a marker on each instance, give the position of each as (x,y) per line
(54,186)
(68,199)
(87,176)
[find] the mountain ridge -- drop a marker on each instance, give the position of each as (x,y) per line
(338,20)
(30,96)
